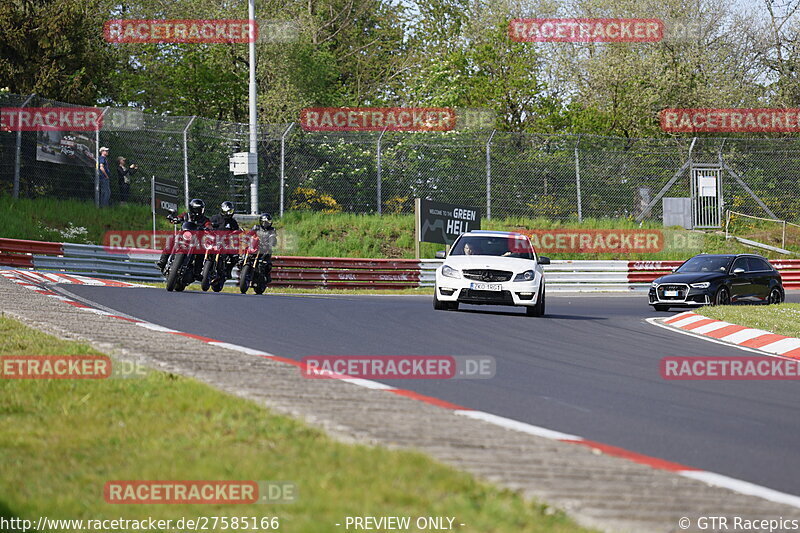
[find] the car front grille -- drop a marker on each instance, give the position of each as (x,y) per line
(488,275)
(472,295)
(682,290)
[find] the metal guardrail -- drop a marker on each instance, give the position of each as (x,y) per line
(337,272)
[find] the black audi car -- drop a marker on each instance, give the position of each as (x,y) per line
(718,280)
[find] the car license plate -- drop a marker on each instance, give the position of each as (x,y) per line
(670,293)
(486,286)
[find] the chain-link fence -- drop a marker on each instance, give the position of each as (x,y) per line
(562,177)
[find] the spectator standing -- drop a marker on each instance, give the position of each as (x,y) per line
(105,177)
(124,173)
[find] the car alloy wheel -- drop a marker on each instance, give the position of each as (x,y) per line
(723,297)
(774,297)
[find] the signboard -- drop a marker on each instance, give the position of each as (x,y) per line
(65,148)
(164,196)
(442,223)
(243,163)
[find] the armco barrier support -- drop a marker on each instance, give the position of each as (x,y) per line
(336,272)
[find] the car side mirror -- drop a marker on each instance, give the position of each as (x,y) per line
(737,271)
(675,269)
(441,255)
(543,260)
(172,212)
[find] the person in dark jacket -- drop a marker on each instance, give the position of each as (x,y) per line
(224,221)
(124,173)
(196,214)
(267,237)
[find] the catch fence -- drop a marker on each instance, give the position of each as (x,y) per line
(560,177)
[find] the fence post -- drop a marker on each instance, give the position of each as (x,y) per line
(186,161)
(783,239)
(578,179)
(97,162)
(380,138)
(18,153)
(489,175)
(283,160)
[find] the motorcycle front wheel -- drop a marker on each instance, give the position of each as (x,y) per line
(244,278)
(208,271)
(174,272)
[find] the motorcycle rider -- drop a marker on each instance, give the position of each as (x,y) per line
(267,241)
(224,221)
(196,214)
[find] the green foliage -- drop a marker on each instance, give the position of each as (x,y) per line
(55,48)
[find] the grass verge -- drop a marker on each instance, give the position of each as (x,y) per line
(783,319)
(64,439)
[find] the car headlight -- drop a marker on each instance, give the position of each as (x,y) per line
(702,285)
(450,272)
(528,275)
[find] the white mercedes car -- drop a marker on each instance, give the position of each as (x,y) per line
(493,268)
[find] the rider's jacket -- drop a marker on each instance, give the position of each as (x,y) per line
(267,239)
(220,222)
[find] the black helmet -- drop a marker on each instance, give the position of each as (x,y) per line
(227,209)
(265,220)
(197,207)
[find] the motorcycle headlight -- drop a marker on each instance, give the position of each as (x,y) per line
(528,275)
(702,285)
(450,272)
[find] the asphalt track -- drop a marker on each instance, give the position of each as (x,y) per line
(589,368)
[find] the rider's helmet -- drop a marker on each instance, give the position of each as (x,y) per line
(227,209)
(265,221)
(196,208)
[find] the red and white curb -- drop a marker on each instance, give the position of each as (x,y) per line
(710,478)
(33,276)
(741,336)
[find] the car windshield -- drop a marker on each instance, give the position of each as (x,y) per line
(705,264)
(498,246)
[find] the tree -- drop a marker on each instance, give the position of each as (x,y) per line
(55,48)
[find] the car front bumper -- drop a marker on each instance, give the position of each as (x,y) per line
(511,293)
(691,298)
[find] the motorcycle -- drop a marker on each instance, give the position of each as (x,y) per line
(255,270)
(216,268)
(184,265)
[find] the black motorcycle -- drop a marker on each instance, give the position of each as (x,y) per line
(185,264)
(255,270)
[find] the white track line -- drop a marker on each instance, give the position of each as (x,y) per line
(516,425)
(742,487)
